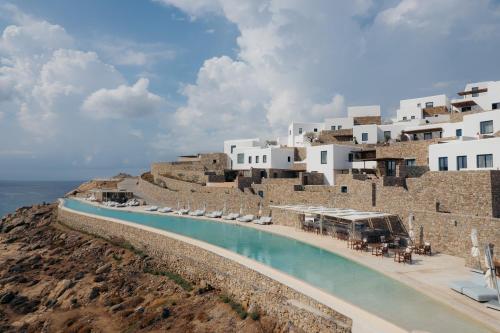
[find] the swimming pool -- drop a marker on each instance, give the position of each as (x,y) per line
(337,275)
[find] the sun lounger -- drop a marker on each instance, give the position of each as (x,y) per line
(197,212)
(151,209)
(263,220)
(215,214)
(165,210)
(480,294)
(232,216)
(459,286)
(182,211)
(246,218)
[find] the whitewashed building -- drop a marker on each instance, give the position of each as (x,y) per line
(465,154)
(480,96)
(329,160)
(423,107)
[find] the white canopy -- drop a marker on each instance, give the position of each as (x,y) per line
(341,213)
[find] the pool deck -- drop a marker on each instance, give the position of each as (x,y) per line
(428,274)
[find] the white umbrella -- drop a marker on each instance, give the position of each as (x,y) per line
(189,206)
(475,243)
(411,231)
(224,208)
(178,205)
(241,208)
(260,209)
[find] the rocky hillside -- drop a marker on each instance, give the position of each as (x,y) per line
(53,279)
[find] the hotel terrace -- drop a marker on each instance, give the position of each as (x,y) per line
(422,188)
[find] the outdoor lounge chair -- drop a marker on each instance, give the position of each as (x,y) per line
(182,211)
(246,218)
(231,216)
(215,214)
(480,294)
(165,210)
(198,212)
(151,209)
(263,220)
(459,286)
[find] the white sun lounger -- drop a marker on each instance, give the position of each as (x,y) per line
(246,218)
(151,209)
(165,210)
(215,214)
(182,211)
(232,216)
(197,212)
(480,294)
(263,220)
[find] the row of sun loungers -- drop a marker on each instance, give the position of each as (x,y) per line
(264,220)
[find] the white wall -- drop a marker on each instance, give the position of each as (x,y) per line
(363,111)
(242,143)
(467,147)
(471,123)
(413,107)
(337,158)
(296,139)
(277,158)
(371,129)
(345,123)
(484,100)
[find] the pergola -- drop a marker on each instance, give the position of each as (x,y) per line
(344,216)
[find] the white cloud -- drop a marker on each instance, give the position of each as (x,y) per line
(124,101)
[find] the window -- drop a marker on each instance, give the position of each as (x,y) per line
(390,168)
(411,162)
(412,117)
(289,159)
(233,147)
(315,130)
(485,161)
(351,157)
(249,159)
(214,161)
(427,135)
(364,136)
(461,162)
(300,130)
(323,157)
(443,164)
(429,104)
(387,135)
(241,158)
(261,194)
(495,106)
(466,108)
(343,189)
(257,159)
(475,91)
(333,128)
(264,158)
(339,127)
(404,118)
(458,132)
(486,127)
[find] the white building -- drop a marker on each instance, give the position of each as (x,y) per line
(296,132)
(329,160)
(480,96)
(230,147)
(465,154)
(410,109)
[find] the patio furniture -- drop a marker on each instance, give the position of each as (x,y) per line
(232,216)
(403,256)
(263,220)
(380,250)
(246,218)
(480,294)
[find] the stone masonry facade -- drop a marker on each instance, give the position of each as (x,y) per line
(196,264)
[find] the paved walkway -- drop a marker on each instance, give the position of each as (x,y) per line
(429,275)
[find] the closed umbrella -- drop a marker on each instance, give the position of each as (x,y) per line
(475,246)
(241,208)
(421,235)
(260,209)
(491,280)
(224,208)
(411,231)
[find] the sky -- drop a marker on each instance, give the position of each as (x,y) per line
(91,88)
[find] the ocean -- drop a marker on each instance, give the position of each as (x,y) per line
(14,194)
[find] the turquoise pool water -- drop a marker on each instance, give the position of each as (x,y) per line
(339,276)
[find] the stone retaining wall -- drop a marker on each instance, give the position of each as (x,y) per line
(244,284)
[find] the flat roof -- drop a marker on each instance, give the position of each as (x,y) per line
(341,213)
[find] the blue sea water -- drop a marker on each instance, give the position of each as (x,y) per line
(14,194)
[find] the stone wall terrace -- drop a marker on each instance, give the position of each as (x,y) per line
(196,264)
